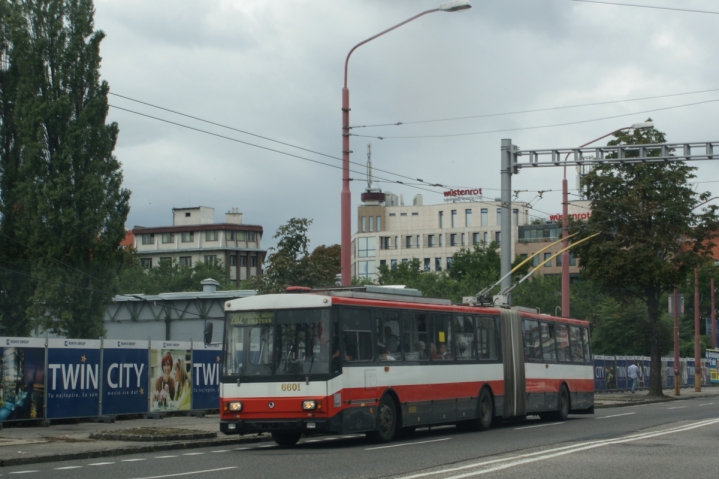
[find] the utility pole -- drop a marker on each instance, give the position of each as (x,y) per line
(697,344)
(677,379)
(714,318)
(506,226)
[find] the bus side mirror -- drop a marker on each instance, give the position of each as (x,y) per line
(208,332)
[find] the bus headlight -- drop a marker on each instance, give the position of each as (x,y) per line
(310,405)
(235,406)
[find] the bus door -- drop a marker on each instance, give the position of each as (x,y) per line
(513,359)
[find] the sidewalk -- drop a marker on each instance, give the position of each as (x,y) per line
(58,442)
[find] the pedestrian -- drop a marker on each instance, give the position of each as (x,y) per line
(633,374)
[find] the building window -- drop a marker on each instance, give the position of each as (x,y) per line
(148,239)
(188,236)
(484,217)
(484,240)
(146,263)
(454,218)
(185,260)
(253,261)
(366,269)
(379,223)
(384,242)
(572,259)
(168,238)
(233,260)
(241,236)
(251,236)
(405,261)
(393,263)
(449,262)
(467,218)
(419,241)
(382,262)
(366,247)
(393,214)
(243,260)
(499,216)
(430,241)
(441,241)
(408,242)
(546,258)
(498,237)
(475,238)
(558,259)
(166,260)
(535,261)
(453,239)
(396,242)
(438,264)
(441,219)
(210,235)
(426,264)
(363,222)
(211,259)
(415,214)
(371,224)
(515,217)
(403,214)
(230,235)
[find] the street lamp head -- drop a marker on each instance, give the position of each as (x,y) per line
(455,6)
(647,125)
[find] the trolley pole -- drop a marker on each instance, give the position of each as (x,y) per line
(506,226)
(697,344)
(677,379)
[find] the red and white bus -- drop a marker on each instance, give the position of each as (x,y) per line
(378,360)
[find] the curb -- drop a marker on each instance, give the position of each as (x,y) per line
(650,401)
(21,461)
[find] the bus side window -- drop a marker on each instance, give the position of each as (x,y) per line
(464,337)
(487,338)
(585,344)
(388,333)
(575,344)
(357,335)
(562,343)
(415,339)
(547,335)
(532,351)
(441,339)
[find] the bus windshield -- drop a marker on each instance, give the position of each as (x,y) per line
(277,343)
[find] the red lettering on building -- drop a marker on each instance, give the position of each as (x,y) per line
(575,216)
(474,192)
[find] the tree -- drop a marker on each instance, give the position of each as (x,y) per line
(62,196)
(170,277)
(650,236)
(291,264)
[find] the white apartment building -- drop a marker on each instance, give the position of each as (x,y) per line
(390,233)
(194,236)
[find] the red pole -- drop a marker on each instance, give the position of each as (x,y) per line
(714,318)
(565,243)
(677,379)
(697,344)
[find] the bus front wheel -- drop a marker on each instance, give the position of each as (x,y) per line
(286,439)
(386,421)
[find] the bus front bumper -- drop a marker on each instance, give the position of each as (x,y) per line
(306,426)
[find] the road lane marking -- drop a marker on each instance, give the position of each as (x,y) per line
(134,460)
(193,453)
(312,440)
(67,467)
(616,415)
(221,450)
(23,472)
(241,449)
(101,463)
(707,404)
(164,457)
(677,407)
(551,453)
(188,473)
(266,445)
(538,425)
(408,444)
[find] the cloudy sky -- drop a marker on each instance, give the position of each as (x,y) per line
(275,69)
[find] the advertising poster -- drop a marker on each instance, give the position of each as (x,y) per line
(206,376)
(689,366)
(22,378)
(646,365)
(667,373)
(125,368)
(600,379)
(610,372)
(73,378)
(621,368)
(170,382)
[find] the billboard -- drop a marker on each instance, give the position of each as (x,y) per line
(73,378)
(206,376)
(125,366)
(22,378)
(170,383)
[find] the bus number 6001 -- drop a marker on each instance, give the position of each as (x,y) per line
(290,387)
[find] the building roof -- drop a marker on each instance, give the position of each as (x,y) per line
(230,294)
(138,230)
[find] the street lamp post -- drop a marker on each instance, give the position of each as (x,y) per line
(345,198)
(565,217)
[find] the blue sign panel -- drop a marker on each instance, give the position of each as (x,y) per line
(600,378)
(206,376)
(610,372)
(73,378)
(646,365)
(22,378)
(691,372)
(125,367)
(622,365)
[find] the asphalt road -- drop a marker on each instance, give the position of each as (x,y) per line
(667,439)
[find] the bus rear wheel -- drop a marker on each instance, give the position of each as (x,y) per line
(286,439)
(562,407)
(485,412)
(386,421)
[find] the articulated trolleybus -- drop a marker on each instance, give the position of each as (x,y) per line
(378,360)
